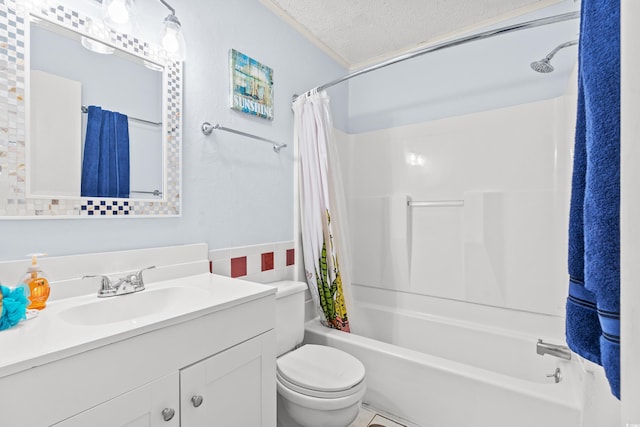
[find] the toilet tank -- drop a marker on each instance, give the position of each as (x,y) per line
(289,314)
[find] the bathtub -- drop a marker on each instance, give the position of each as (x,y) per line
(439,372)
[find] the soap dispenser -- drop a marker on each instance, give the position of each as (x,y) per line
(38,285)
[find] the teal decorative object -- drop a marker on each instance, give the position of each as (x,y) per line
(13,306)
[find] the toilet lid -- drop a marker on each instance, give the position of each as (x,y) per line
(321,368)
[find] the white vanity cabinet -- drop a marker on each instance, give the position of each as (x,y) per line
(229,389)
(225,353)
(152,405)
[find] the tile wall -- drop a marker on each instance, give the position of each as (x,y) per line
(258,263)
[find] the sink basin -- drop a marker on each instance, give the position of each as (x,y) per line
(132,306)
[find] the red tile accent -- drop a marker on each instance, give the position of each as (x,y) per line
(210,266)
(291,256)
(239,266)
(267,261)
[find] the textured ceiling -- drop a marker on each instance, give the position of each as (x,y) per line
(359,32)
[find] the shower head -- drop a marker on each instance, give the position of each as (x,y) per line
(544,65)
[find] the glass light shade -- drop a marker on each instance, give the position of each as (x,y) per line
(153,66)
(96,31)
(173,39)
(119,14)
(96,46)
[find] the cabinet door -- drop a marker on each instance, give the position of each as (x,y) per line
(233,388)
(142,407)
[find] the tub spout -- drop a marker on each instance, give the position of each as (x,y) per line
(556,350)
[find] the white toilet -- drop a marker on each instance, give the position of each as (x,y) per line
(318,386)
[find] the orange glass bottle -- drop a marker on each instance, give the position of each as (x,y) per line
(38,285)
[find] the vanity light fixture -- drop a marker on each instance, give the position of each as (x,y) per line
(96,46)
(120,15)
(153,66)
(96,31)
(171,35)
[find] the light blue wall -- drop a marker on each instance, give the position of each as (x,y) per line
(477,76)
(236,191)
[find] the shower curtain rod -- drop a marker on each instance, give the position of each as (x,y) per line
(455,42)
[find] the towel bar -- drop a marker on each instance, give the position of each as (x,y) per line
(207,128)
(154,192)
(436,204)
(85,110)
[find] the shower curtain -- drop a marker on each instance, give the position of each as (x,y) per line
(322,210)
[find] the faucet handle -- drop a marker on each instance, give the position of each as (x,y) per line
(136,279)
(106,287)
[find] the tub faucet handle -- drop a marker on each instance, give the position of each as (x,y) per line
(557,375)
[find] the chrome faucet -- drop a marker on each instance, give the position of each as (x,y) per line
(556,350)
(125,285)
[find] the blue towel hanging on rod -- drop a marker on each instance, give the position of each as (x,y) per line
(105,164)
(593,304)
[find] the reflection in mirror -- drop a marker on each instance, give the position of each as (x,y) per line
(129,164)
(42,139)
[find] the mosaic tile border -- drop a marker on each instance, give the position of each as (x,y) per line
(13,200)
(263,263)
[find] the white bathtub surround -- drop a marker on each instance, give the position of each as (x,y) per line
(493,372)
(485,269)
(504,245)
(474,334)
(432,390)
(323,217)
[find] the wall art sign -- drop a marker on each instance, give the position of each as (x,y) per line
(251,86)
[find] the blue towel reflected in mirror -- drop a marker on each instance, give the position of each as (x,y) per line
(105,163)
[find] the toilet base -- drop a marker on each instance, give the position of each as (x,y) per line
(291,414)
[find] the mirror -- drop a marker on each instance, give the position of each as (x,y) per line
(57,80)
(116,82)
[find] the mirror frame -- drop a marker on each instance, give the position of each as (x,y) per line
(14,118)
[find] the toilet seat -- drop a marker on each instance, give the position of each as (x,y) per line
(321,371)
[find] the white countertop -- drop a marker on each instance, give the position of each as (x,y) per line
(50,337)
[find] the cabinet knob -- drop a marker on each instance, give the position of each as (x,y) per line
(197,400)
(168,414)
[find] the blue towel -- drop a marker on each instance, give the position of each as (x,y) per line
(122,154)
(105,164)
(593,304)
(91,156)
